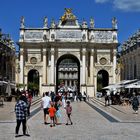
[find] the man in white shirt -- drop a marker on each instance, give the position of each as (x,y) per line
(45,104)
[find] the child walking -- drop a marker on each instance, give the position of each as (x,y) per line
(52,112)
(68,112)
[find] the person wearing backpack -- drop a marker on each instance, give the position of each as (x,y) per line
(68,112)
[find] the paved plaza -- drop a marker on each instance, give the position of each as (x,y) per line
(90,122)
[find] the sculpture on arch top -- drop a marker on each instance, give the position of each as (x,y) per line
(22,22)
(68,15)
(114,23)
(45,22)
(92,23)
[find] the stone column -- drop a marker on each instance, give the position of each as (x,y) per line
(21,67)
(84,66)
(114,66)
(95,85)
(40,84)
(44,66)
(52,66)
(91,67)
(25,79)
(70,83)
(66,83)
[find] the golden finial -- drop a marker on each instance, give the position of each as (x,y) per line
(68,15)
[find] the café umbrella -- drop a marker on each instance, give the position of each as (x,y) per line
(8,88)
(133,86)
(113,87)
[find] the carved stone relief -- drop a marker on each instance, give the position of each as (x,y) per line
(107,68)
(33,35)
(103,36)
(33,60)
(84,37)
(103,56)
(32,56)
(103,61)
(67,34)
(30,67)
(52,36)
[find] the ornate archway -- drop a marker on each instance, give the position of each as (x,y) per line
(33,80)
(68,73)
(102,79)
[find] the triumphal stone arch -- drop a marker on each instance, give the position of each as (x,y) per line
(68,55)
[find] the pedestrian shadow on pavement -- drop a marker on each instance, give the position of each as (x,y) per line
(18,136)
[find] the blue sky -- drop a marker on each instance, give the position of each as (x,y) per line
(127,13)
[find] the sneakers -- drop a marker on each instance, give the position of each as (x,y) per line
(46,123)
(70,123)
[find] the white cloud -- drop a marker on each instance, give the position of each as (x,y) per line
(127,5)
(101,1)
(124,5)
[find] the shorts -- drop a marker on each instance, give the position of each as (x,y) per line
(58,114)
(52,118)
(46,111)
(69,114)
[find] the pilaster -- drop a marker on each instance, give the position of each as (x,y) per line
(114,65)
(21,67)
(91,66)
(44,66)
(83,66)
(52,66)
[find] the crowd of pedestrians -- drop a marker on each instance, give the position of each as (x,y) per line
(132,99)
(50,103)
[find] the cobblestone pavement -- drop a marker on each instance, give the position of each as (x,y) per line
(120,112)
(7,111)
(88,124)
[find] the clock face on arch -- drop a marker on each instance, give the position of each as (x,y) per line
(33,60)
(103,61)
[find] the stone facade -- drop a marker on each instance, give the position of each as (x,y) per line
(130,57)
(43,49)
(7,58)
(7,62)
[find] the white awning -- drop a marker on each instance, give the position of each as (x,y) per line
(124,82)
(133,85)
(120,84)
(113,87)
(3,82)
(6,83)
